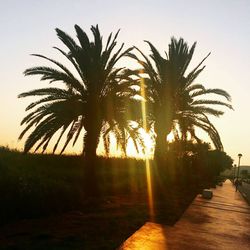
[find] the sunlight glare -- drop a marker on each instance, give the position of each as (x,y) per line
(148,167)
(170,137)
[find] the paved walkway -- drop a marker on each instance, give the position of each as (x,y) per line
(220,223)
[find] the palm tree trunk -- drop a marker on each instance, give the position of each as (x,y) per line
(162,127)
(160,144)
(91,140)
(161,169)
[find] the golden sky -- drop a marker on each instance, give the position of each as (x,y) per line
(222,27)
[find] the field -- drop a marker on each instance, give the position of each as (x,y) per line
(44,204)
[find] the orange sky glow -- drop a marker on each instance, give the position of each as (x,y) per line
(29,27)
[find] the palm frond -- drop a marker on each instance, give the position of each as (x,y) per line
(213,102)
(100,86)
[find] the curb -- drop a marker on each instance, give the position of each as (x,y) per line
(244,195)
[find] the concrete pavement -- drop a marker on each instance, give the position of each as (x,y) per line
(220,223)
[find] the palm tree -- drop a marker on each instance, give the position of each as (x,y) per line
(192,110)
(98,98)
(172,94)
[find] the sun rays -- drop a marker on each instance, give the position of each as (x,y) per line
(148,167)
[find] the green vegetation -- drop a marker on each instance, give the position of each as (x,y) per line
(33,185)
(38,186)
(49,183)
(53,188)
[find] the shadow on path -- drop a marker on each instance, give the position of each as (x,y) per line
(220,223)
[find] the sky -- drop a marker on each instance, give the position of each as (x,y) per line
(220,27)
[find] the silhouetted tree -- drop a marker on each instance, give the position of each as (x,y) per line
(97,98)
(196,164)
(208,165)
(172,96)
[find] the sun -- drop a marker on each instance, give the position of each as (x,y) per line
(147,152)
(170,137)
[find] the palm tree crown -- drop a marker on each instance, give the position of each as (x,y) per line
(99,98)
(174,98)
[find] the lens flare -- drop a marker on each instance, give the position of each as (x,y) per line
(147,162)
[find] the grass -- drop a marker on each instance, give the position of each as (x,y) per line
(44,203)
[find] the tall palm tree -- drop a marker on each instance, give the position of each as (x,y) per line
(98,98)
(172,94)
